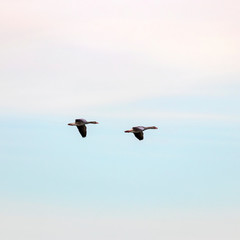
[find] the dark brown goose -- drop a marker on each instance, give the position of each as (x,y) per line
(138,131)
(81,125)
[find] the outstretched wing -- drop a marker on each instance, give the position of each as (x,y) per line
(139,135)
(83,130)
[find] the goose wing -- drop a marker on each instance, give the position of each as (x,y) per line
(83,130)
(139,135)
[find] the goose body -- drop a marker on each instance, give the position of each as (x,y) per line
(81,125)
(138,131)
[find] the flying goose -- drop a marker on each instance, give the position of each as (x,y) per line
(81,125)
(138,131)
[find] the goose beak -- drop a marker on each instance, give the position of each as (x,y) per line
(128,131)
(71,124)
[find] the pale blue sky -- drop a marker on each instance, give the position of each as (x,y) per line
(188,162)
(171,64)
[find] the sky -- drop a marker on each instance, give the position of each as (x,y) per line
(172,64)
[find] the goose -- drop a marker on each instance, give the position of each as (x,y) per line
(138,131)
(81,125)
